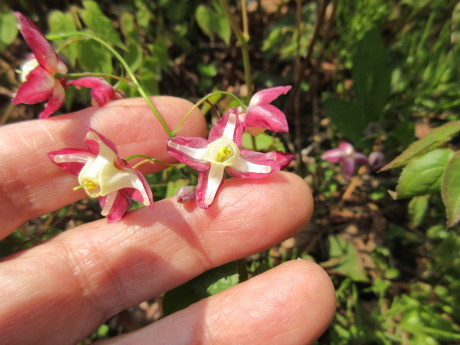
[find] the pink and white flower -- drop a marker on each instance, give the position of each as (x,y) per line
(346,155)
(261,115)
(104,175)
(222,151)
(38,75)
(40,85)
(101,91)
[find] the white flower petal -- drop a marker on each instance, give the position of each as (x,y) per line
(110,199)
(242,164)
(215,176)
(229,130)
(73,158)
(189,151)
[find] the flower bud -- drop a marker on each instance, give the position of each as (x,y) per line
(186,194)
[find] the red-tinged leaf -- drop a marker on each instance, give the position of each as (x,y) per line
(436,138)
(450,190)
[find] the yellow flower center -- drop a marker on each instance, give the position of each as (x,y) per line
(87,184)
(223,154)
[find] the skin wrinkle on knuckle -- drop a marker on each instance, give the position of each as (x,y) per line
(83,282)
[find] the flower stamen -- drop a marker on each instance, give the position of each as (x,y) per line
(223,154)
(88,185)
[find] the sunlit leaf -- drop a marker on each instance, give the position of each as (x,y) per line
(173,187)
(101,25)
(61,22)
(134,56)
(8,29)
(93,57)
(128,28)
(450,190)
(423,174)
(434,139)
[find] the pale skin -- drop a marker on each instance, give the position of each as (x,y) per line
(62,290)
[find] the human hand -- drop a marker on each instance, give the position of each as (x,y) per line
(62,290)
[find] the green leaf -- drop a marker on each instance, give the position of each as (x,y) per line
(222,24)
(348,117)
(434,139)
(207,70)
(450,190)
(423,174)
(417,210)
(128,28)
(8,29)
(204,17)
(101,25)
(133,57)
(264,142)
(93,57)
(150,75)
(371,75)
(344,259)
(160,53)
(207,284)
(60,22)
(173,187)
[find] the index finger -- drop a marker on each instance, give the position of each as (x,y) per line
(30,185)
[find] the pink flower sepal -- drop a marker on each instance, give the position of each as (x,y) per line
(222,151)
(101,91)
(40,84)
(346,155)
(104,175)
(261,115)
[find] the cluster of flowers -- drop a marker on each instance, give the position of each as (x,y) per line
(109,178)
(106,176)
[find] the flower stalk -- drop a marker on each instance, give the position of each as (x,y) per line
(243,38)
(139,87)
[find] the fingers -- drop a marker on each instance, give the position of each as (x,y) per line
(98,269)
(290,304)
(30,185)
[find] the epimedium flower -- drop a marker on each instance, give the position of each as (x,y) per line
(346,155)
(222,151)
(104,175)
(38,75)
(261,115)
(101,91)
(38,72)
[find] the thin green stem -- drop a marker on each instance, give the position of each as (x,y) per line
(243,39)
(254,142)
(88,74)
(154,160)
(200,102)
(247,69)
(244,16)
(128,70)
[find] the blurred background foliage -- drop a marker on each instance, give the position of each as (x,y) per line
(378,73)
